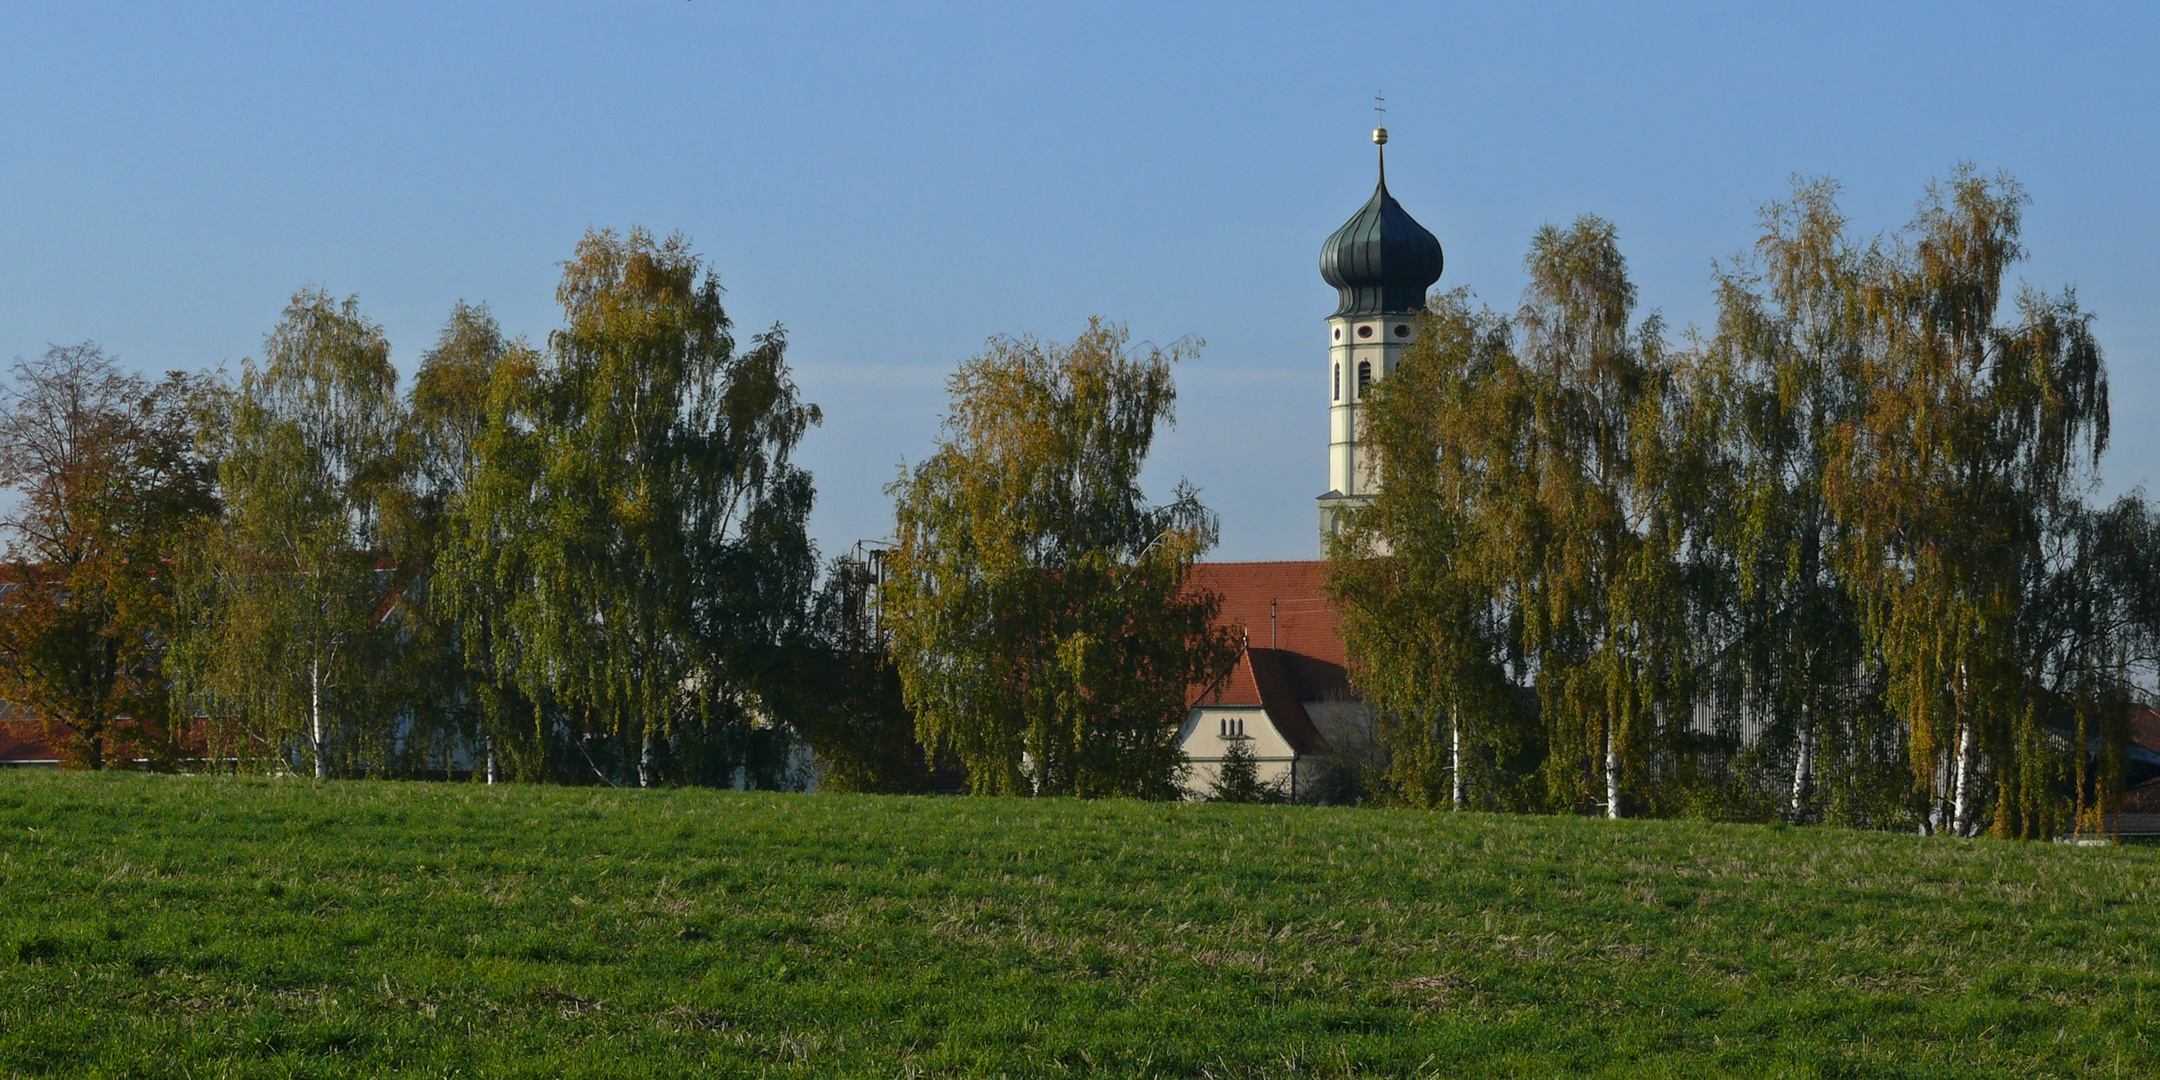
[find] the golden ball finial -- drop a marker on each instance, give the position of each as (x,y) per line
(1379,136)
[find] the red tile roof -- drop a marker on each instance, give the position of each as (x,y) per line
(1293,653)
(2145,728)
(23,742)
(1281,605)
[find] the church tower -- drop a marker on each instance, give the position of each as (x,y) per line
(1381,263)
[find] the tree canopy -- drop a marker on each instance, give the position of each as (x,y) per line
(282,634)
(631,544)
(1041,626)
(107,482)
(1836,557)
(1748,573)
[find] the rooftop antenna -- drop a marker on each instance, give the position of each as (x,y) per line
(1379,134)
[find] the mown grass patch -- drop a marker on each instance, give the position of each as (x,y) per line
(167,926)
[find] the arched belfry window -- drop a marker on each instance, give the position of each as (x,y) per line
(1338,382)
(1364,377)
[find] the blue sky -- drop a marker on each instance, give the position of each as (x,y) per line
(897,187)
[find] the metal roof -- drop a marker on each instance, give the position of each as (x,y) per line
(1381,261)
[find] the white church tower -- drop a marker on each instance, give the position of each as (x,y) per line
(1381,263)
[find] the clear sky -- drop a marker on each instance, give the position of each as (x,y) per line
(896,188)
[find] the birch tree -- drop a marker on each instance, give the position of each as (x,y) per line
(459,703)
(1040,622)
(1794,336)
(1428,605)
(1849,526)
(1972,451)
(283,598)
(1544,493)
(2102,643)
(632,540)
(1601,521)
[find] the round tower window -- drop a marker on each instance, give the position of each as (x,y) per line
(1364,331)
(1402,330)
(1338,333)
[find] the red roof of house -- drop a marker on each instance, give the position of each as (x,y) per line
(1294,651)
(23,742)
(1281,605)
(2145,727)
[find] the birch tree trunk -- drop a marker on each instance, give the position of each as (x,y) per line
(1455,755)
(1803,764)
(645,762)
(494,769)
(315,732)
(1612,775)
(1960,819)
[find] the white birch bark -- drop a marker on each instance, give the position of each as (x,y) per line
(1803,764)
(1612,775)
(645,762)
(494,769)
(1455,754)
(315,732)
(1960,818)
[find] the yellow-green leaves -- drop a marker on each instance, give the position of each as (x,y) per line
(282,644)
(1040,623)
(632,539)
(1831,560)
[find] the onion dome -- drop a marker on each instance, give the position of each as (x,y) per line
(1381,260)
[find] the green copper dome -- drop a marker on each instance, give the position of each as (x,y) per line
(1381,260)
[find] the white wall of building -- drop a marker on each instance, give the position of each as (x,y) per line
(1203,740)
(1376,341)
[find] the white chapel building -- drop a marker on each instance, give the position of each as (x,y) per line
(1288,697)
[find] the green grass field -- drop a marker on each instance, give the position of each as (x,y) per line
(192,927)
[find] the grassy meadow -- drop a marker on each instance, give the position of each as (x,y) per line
(207,927)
